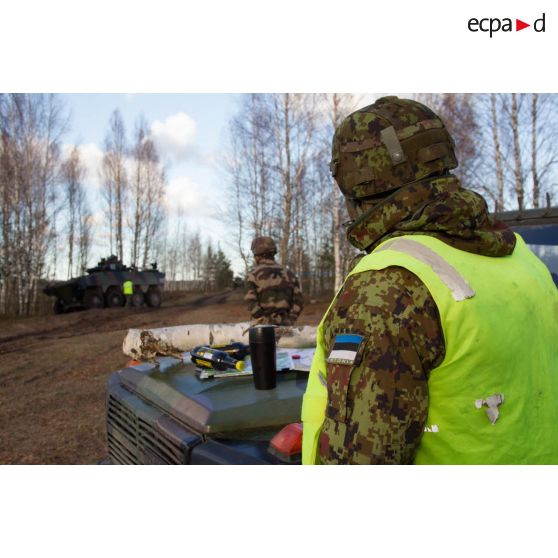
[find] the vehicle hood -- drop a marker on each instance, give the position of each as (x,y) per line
(215,406)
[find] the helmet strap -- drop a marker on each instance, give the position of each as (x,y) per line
(391,141)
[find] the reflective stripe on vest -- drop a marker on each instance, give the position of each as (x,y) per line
(494,398)
(460,289)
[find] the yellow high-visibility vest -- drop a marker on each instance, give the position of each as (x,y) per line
(128,287)
(494,398)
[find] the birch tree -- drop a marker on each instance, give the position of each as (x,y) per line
(517,170)
(146,192)
(195,255)
(497,154)
(115,181)
(73,173)
(31,127)
(293,124)
(544,146)
(85,227)
(249,165)
(153,214)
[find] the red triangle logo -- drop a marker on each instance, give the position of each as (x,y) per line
(519,25)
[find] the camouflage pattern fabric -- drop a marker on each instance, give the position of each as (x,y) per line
(437,207)
(389,144)
(377,408)
(263,245)
(273,294)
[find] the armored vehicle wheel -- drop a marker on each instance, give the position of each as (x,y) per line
(58,306)
(114,298)
(153,298)
(93,299)
(137,299)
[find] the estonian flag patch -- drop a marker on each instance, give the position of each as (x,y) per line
(346,349)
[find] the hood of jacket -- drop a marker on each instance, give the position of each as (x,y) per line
(438,207)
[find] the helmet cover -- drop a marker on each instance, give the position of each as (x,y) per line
(387,145)
(263,245)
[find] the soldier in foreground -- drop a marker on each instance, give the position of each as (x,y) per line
(273,294)
(441,345)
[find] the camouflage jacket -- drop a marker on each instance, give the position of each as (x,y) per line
(273,294)
(385,405)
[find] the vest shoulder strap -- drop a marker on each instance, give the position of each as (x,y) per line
(456,283)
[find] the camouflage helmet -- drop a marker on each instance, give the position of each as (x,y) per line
(263,245)
(387,145)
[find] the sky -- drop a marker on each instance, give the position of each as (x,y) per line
(190,132)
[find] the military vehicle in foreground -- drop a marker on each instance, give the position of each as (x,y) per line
(162,412)
(102,287)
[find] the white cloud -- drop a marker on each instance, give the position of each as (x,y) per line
(98,218)
(91,157)
(184,195)
(174,136)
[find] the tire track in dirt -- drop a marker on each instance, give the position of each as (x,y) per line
(105,320)
(53,380)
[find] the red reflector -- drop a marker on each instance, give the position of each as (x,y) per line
(296,357)
(288,440)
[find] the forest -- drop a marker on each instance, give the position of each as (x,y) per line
(276,179)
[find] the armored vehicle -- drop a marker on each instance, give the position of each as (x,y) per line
(161,412)
(102,287)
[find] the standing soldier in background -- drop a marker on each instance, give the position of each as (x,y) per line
(440,347)
(128,290)
(273,294)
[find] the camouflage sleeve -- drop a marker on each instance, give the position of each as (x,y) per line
(251,297)
(298,300)
(380,414)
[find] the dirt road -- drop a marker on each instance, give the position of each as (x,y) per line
(53,371)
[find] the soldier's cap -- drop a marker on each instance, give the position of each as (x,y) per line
(263,245)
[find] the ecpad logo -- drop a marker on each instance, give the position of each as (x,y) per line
(494,24)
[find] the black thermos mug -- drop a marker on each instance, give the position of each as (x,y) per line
(262,355)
